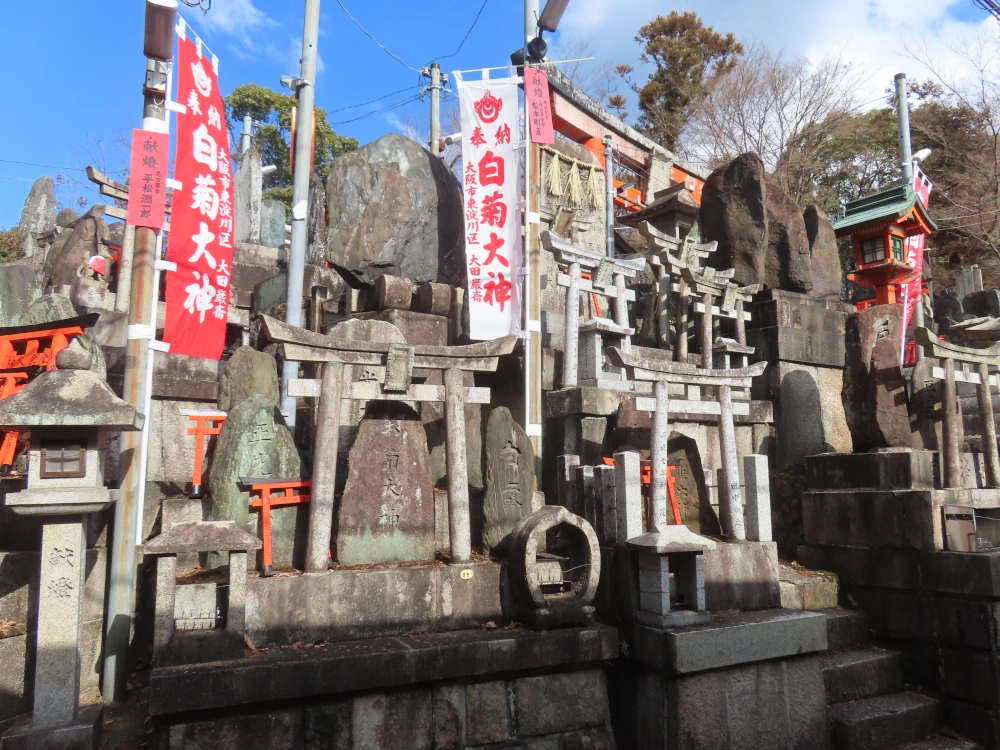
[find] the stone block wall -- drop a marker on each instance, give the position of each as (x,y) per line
(539,712)
(940,609)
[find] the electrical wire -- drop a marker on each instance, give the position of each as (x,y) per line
(372,101)
(464,38)
(377,42)
(43,166)
(989,6)
(397,105)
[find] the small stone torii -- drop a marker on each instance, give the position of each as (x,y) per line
(950,355)
(693,279)
(396,363)
(607,279)
(662,373)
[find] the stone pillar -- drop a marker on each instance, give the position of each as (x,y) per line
(730,497)
(166,590)
(458,475)
(628,496)
(60,596)
(586,491)
(566,483)
(236,616)
(988,428)
(658,458)
(706,331)
(662,303)
(758,510)
(741,326)
(951,421)
(571,354)
(683,300)
(324,481)
(604,486)
(247,188)
(621,310)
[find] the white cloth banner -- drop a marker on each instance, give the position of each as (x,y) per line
(493,245)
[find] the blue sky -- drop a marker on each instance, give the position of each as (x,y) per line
(73,73)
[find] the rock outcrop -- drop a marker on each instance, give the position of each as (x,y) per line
(764,235)
(394,208)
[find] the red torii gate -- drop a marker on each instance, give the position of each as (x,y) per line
(26,351)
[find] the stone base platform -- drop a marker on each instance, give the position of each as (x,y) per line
(81,734)
(752,679)
(470,689)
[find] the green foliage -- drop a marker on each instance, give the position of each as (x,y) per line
(10,244)
(689,58)
(273,110)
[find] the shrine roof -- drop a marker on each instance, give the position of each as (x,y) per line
(675,199)
(894,204)
(68,398)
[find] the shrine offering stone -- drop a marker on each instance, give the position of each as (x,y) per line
(386,513)
(690,487)
(510,476)
(247,183)
(255,443)
(37,216)
(248,372)
(272,223)
(51,307)
(862,330)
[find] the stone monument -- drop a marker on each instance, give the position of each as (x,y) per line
(510,476)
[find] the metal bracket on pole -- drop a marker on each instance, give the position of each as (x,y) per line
(164,265)
(533,430)
(177,107)
(140,331)
(174,184)
(159,346)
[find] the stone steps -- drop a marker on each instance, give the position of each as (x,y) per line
(883,721)
(806,589)
(861,673)
(845,628)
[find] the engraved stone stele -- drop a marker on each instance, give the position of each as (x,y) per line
(510,476)
(68,413)
(255,443)
(386,513)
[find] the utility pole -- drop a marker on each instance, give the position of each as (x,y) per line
(435,108)
(159,34)
(305,87)
(906,168)
(246,135)
(530,22)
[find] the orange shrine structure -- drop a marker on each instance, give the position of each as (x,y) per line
(879,226)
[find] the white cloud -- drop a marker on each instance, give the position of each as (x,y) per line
(869,32)
(240,19)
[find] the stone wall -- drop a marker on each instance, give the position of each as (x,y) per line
(540,712)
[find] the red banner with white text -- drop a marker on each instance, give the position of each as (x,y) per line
(490,123)
(201,226)
(911,293)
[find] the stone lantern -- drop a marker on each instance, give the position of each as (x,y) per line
(69,413)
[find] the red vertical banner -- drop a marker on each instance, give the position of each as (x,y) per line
(147,185)
(536,92)
(201,226)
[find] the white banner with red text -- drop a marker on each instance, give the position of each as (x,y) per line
(493,242)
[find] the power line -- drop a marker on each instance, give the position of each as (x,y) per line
(377,42)
(378,111)
(474,22)
(43,166)
(378,99)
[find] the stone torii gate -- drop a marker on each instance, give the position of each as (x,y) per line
(686,276)
(608,280)
(950,356)
(399,362)
(662,373)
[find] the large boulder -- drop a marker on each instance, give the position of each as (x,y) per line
(733,214)
(763,234)
(826,274)
(395,208)
(20,285)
